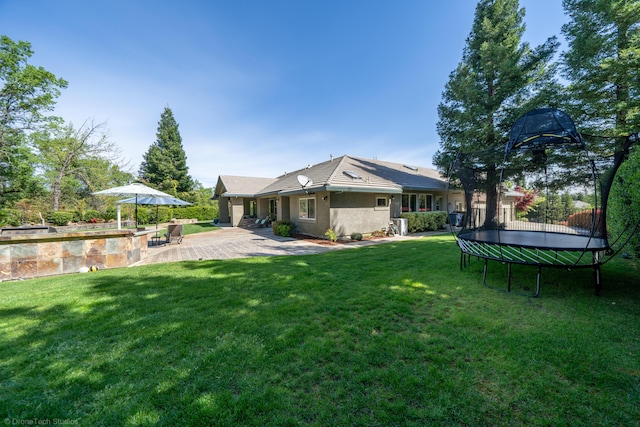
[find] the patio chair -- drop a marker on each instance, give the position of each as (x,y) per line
(174,233)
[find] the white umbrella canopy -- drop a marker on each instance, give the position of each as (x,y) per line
(131,190)
(155,200)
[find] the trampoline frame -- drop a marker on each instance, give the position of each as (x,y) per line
(534,248)
(536,133)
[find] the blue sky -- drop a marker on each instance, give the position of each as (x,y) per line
(258,88)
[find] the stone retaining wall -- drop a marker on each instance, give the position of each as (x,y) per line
(25,256)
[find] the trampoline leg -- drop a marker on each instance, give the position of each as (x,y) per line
(538,281)
(597,279)
(484,272)
(509,277)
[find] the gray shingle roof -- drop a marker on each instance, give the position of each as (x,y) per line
(356,174)
(240,186)
(340,174)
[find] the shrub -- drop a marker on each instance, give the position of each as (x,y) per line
(9,217)
(623,208)
(89,214)
(201,213)
(143,215)
(356,236)
(425,221)
(282,228)
(60,218)
(109,214)
(331,235)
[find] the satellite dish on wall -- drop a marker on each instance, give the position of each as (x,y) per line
(304,181)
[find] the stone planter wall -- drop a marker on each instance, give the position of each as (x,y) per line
(35,255)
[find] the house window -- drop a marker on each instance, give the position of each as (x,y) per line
(417,202)
(381,202)
(425,202)
(307,208)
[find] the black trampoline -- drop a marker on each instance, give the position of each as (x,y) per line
(536,240)
(541,201)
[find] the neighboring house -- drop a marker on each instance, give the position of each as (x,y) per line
(348,194)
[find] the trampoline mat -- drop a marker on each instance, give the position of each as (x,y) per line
(536,240)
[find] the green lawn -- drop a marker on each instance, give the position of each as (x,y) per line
(393,334)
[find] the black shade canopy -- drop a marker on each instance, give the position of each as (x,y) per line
(543,127)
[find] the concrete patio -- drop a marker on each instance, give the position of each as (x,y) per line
(236,242)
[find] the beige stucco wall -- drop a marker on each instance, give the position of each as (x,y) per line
(237,210)
(358,213)
(312,227)
(223,210)
(346,213)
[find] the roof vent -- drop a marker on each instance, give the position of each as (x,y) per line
(413,168)
(352,174)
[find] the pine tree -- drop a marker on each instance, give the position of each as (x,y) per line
(165,163)
(498,79)
(603,68)
(603,64)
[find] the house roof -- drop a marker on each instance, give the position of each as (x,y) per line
(240,186)
(350,174)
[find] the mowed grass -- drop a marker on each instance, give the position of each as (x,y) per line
(393,334)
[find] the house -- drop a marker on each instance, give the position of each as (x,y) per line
(348,194)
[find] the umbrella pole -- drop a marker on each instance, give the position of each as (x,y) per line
(157,219)
(136,212)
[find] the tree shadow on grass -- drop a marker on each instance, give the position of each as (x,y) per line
(286,340)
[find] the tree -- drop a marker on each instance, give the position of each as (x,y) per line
(165,163)
(603,65)
(70,158)
(498,79)
(27,93)
(603,68)
(525,203)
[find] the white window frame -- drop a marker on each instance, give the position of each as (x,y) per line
(305,201)
(381,207)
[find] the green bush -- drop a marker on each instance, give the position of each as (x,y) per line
(331,235)
(143,215)
(623,208)
(282,228)
(61,218)
(159,214)
(89,214)
(109,214)
(356,236)
(9,217)
(425,221)
(201,213)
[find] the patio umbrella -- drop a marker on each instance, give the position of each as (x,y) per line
(155,200)
(134,190)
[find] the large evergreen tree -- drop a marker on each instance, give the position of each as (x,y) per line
(603,65)
(498,79)
(165,163)
(603,69)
